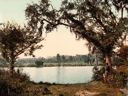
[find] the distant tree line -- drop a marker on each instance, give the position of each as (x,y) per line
(58,59)
(69,59)
(88,59)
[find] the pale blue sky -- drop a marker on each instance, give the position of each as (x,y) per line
(60,41)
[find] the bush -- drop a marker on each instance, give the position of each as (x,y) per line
(12,85)
(98,74)
(120,79)
(115,79)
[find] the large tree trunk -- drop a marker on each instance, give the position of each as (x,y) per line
(108,63)
(108,67)
(108,60)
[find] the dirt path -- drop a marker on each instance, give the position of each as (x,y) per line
(124,91)
(86,93)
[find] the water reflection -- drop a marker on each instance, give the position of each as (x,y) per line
(59,74)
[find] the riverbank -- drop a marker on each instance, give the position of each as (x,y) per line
(94,88)
(20,85)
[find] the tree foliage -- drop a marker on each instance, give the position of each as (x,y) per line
(122,7)
(92,20)
(58,58)
(39,63)
(15,40)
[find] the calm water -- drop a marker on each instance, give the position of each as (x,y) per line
(61,75)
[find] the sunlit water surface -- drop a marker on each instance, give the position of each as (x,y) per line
(60,75)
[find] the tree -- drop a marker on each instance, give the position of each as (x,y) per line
(58,57)
(92,20)
(15,40)
(71,58)
(39,63)
(63,59)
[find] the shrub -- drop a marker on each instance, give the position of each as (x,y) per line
(115,79)
(98,74)
(12,85)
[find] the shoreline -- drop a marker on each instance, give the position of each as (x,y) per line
(51,66)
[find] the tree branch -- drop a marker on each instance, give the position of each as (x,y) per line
(85,32)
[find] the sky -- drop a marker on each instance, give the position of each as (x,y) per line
(59,41)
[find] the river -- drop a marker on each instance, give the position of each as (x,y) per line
(60,75)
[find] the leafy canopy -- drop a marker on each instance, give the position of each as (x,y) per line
(93,20)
